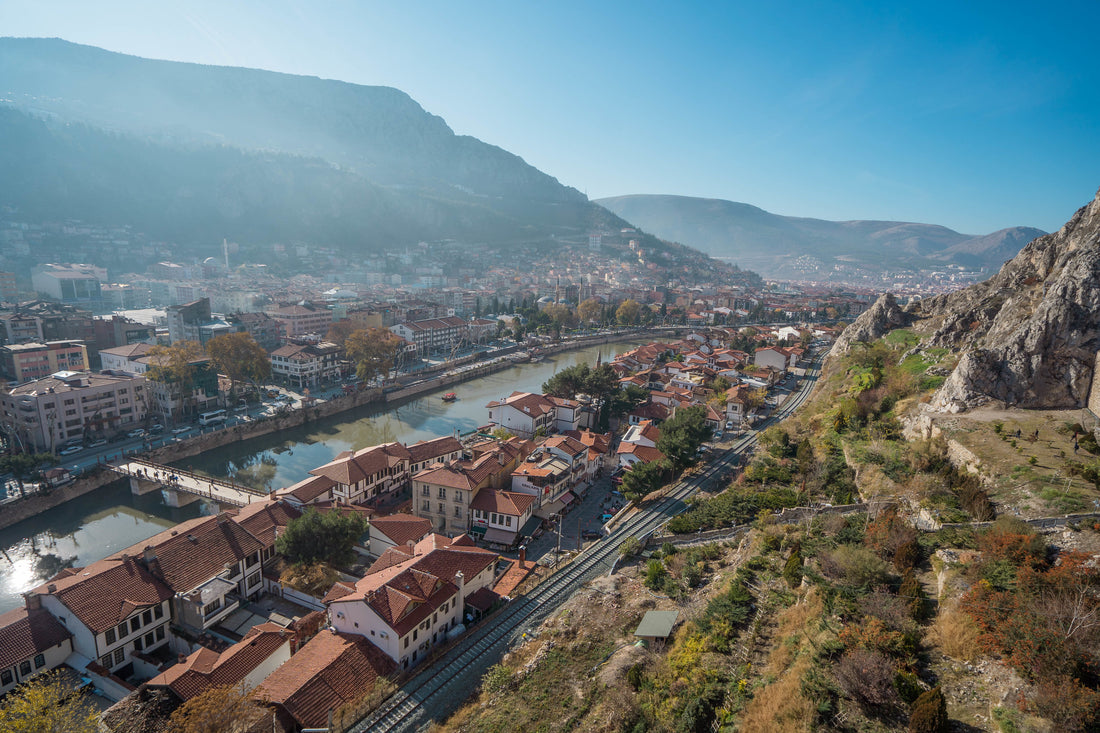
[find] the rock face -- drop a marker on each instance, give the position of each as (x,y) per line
(878,320)
(1030,334)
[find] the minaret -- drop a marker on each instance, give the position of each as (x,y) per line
(225,253)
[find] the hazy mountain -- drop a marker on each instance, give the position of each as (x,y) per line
(190,152)
(773,245)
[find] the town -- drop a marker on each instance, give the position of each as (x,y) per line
(433,536)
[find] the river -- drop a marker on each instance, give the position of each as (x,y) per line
(93,526)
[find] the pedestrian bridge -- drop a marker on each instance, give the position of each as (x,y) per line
(182,487)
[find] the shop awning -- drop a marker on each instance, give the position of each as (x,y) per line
(504,537)
(548,510)
(569,498)
(531,526)
(477,529)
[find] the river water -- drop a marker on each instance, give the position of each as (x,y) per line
(95,525)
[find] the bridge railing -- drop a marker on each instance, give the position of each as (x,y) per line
(172,470)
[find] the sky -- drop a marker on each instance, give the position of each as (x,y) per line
(973,115)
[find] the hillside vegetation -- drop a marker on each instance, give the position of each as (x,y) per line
(926,608)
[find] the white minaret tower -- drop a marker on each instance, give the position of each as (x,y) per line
(225,253)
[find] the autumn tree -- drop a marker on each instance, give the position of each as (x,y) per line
(374,351)
(175,366)
(47,703)
(339,331)
(589,310)
(628,312)
(226,709)
(239,357)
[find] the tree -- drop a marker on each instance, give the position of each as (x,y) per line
(929,713)
(24,465)
(239,357)
(628,312)
(175,366)
(374,351)
(568,382)
(682,434)
(339,331)
(316,536)
(47,704)
(226,709)
(589,310)
(641,479)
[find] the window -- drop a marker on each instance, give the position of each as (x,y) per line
(39,661)
(6,678)
(137,644)
(214,605)
(135,623)
(122,630)
(160,633)
(426,505)
(24,669)
(105,661)
(110,636)
(414,634)
(149,639)
(508,521)
(158,612)
(425,491)
(147,617)
(406,642)
(442,493)
(458,512)
(120,654)
(442,509)
(253,579)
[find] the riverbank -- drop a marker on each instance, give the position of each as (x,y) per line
(194,446)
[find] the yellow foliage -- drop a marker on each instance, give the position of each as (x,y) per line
(956,635)
(47,703)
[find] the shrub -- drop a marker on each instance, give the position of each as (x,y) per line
(792,569)
(630,547)
(496,679)
(929,713)
(912,592)
(655,575)
(908,687)
(857,567)
(866,676)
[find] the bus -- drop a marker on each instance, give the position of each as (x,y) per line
(212,418)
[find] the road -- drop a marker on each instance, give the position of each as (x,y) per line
(438,690)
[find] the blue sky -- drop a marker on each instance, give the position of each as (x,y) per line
(973,115)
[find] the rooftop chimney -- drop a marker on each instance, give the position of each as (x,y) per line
(522,555)
(150,554)
(51,588)
(32,601)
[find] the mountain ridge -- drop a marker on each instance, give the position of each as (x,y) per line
(772,243)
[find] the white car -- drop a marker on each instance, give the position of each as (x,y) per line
(70,450)
(136,433)
(181,429)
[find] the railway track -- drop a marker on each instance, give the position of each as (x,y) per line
(443,686)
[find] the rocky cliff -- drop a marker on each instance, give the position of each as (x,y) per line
(875,322)
(1030,334)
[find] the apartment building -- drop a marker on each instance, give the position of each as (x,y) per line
(67,406)
(307,365)
(433,335)
(24,362)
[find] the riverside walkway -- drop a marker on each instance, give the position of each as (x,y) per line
(149,475)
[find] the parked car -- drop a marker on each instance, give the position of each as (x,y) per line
(70,450)
(136,433)
(97,443)
(156,428)
(729,425)
(605,518)
(591,534)
(181,429)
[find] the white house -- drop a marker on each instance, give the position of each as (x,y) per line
(32,641)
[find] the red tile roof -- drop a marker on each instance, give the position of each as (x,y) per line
(400,528)
(332,670)
(25,633)
(426,450)
(502,502)
(206,668)
(349,468)
(107,592)
(262,517)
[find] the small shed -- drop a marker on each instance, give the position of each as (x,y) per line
(656,626)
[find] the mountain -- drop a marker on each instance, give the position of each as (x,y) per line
(785,246)
(1028,337)
(194,153)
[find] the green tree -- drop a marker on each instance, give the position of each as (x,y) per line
(315,536)
(929,713)
(682,434)
(641,479)
(628,312)
(47,704)
(23,466)
(374,351)
(568,382)
(239,357)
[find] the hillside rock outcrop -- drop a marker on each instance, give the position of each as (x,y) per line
(875,322)
(1030,334)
